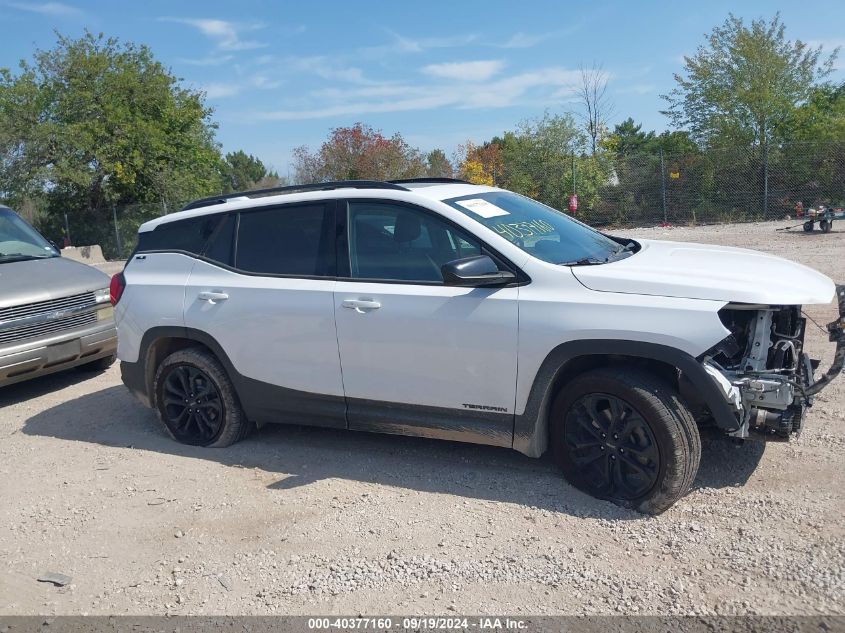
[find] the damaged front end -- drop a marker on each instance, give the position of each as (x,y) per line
(763,371)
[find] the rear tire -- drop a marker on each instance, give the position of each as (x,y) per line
(197,402)
(625,436)
(808,227)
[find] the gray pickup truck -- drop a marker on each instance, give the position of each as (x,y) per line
(54,313)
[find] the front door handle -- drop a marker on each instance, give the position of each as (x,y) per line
(212,297)
(361,305)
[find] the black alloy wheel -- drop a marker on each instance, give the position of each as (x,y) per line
(191,407)
(613,447)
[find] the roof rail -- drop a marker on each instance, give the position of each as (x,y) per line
(410,181)
(317,186)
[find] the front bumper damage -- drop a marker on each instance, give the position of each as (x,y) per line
(770,403)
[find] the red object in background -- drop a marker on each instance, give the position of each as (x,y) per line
(573,203)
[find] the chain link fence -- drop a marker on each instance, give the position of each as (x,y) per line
(717,186)
(721,185)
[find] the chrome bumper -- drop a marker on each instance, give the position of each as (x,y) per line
(56,353)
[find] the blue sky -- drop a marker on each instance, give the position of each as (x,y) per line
(282,74)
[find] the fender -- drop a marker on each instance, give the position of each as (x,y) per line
(261,401)
(531,428)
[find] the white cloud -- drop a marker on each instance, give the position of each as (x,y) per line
(226,34)
(211,60)
(220,90)
(402,44)
(639,89)
(464,71)
(324,67)
(526,40)
(45,8)
(539,84)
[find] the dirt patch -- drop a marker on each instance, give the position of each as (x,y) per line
(297,520)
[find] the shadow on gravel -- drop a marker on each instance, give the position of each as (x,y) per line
(725,464)
(37,387)
(303,455)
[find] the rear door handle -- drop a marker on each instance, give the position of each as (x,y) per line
(361,305)
(212,297)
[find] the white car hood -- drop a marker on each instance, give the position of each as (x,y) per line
(700,271)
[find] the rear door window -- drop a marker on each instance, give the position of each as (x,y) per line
(294,240)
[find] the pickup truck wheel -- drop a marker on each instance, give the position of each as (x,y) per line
(624,436)
(196,401)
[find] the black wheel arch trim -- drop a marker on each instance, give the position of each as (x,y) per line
(531,427)
(261,401)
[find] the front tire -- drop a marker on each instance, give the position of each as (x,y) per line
(197,402)
(624,436)
(826,225)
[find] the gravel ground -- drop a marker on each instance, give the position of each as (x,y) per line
(300,521)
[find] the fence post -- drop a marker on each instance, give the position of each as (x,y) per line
(663,186)
(116,232)
(765,179)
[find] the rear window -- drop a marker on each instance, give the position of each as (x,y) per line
(189,236)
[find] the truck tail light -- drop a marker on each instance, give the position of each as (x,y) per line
(116,287)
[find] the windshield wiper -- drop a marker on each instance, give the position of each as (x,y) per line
(586,261)
(13,257)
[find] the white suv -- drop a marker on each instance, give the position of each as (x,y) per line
(443,309)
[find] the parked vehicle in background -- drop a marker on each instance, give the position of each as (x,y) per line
(443,309)
(54,313)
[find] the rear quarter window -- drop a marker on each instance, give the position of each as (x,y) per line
(189,236)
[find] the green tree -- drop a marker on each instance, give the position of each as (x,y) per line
(744,82)
(94,122)
(437,165)
(242,171)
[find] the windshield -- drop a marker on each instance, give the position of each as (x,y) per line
(539,230)
(19,241)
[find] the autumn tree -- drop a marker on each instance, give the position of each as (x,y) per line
(358,152)
(479,164)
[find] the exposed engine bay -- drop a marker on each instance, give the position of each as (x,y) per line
(763,369)
(764,361)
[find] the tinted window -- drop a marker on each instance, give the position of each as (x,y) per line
(397,242)
(293,240)
(182,235)
(219,247)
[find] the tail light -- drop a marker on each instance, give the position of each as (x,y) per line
(116,288)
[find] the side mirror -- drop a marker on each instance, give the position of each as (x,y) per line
(475,271)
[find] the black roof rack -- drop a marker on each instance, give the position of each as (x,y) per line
(410,181)
(317,186)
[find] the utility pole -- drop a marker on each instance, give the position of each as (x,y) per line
(574,191)
(765,179)
(116,232)
(663,186)
(67,229)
